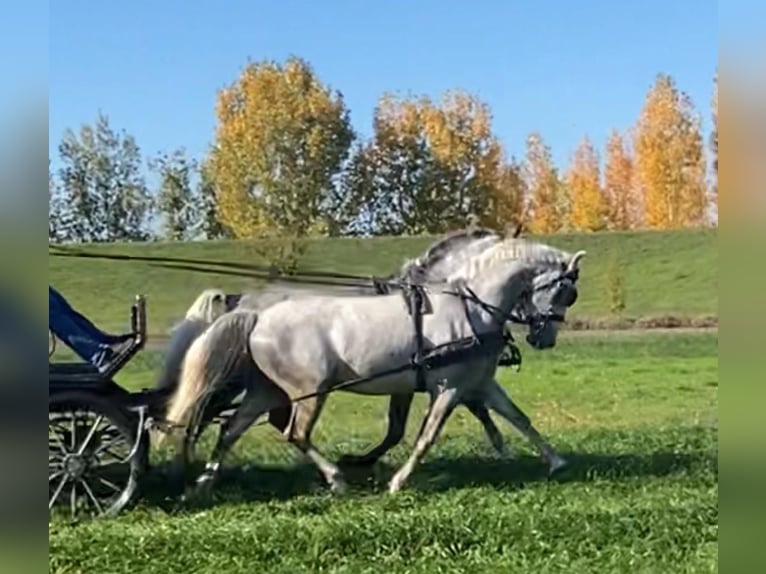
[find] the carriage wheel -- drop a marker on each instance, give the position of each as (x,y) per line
(90,439)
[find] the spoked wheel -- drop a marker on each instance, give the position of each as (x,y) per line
(90,468)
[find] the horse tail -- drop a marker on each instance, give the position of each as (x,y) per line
(211,358)
(182,336)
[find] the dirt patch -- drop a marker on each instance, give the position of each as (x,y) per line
(665,322)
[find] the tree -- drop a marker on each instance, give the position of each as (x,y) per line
(54,209)
(428,167)
(583,179)
(670,164)
(281,139)
(714,139)
(101,183)
(623,203)
(209,219)
(176,199)
(542,181)
(390,186)
(508,209)
(468,156)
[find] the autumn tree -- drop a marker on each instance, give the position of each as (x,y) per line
(714,138)
(583,180)
(176,200)
(546,201)
(102,185)
(508,209)
(468,155)
(670,163)
(281,139)
(427,168)
(624,206)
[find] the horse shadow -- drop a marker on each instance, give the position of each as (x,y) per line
(256,483)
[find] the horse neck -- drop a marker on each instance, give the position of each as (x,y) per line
(442,268)
(501,285)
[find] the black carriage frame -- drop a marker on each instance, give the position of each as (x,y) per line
(77,392)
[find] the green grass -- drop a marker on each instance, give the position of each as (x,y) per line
(637,416)
(665,272)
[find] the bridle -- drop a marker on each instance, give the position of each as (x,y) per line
(518,315)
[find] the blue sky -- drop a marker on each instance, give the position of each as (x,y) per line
(566,69)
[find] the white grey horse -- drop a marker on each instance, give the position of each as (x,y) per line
(306,347)
(434,265)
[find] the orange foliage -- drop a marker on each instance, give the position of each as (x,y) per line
(429,167)
(670,164)
(624,203)
(544,187)
(583,179)
(281,138)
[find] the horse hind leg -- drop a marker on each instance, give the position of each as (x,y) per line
(304,416)
(479,410)
(398,411)
(256,402)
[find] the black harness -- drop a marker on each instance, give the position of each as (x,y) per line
(500,340)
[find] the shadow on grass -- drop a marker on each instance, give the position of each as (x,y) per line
(271,483)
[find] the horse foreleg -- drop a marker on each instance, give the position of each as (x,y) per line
(500,402)
(398,411)
(305,415)
(440,409)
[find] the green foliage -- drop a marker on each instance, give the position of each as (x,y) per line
(281,250)
(176,199)
(101,194)
(210,224)
(616,285)
(641,494)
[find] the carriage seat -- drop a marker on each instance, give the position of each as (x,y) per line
(85,370)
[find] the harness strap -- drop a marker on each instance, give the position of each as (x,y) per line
(415,296)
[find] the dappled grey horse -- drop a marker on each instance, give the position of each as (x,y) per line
(306,347)
(434,265)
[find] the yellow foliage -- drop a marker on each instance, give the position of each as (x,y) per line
(433,164)
(544,187)
(508,208)
(670,164)
(281,138)
(624,203)
(583,181)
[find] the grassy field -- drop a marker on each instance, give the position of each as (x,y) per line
(637,417)
(666,273)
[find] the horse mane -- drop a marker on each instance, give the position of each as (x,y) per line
(203,307)
(513,249)
(441,249)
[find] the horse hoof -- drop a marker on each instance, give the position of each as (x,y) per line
(557,465)
(395,485)
(339,488)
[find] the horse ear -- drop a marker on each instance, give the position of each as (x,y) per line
(575,262)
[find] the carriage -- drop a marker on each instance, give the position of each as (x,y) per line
(99,431)
(98,444)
